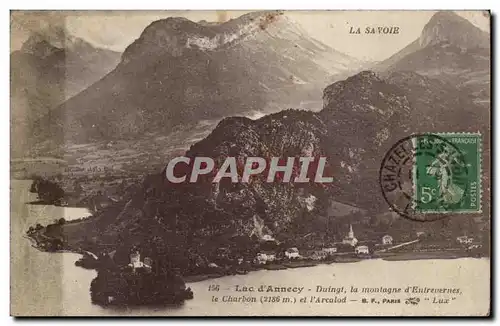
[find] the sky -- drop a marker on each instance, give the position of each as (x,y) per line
(117,29)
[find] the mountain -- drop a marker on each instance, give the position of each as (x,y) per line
(199,217)
(449,48)
(446,75)
(448,27)
(45,73)
(365,115)
(180,72)
(380,111)
(437,102)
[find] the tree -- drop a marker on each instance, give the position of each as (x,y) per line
(49,192)
(77,188)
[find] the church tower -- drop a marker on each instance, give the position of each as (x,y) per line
(350,239)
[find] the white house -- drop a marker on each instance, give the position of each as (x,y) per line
(465,239)
(350,239)
(267,237)
(263,258)
(270,256)
(135,261)
(292,253)
(361,250)
(387,240)
(330,250)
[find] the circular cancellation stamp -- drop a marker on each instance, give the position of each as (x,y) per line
(425,177)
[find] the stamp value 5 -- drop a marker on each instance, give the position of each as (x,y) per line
(425,177)
(449,179)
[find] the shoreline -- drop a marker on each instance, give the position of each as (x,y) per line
(404,256)
(283,266)
(35,244)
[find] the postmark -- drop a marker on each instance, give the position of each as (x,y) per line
(426,177)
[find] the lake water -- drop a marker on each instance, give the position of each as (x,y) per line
(50,284)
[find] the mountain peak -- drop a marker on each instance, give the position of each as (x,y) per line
(44,45)
(175,25)
(361,81)
(448,27)
(39,46)
(364,92)
(176,35)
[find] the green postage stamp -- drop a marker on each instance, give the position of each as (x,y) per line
(425,177)
(447,173)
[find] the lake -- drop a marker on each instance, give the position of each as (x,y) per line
(50,284)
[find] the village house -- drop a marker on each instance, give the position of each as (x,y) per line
(267,237)
(292,253)
(464,239)
(343,248)
(223,252)
(265,257)
(330,250)
(361,250)
(318,255)
(135,261)
(474,246)
(387,240)
(148,261)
